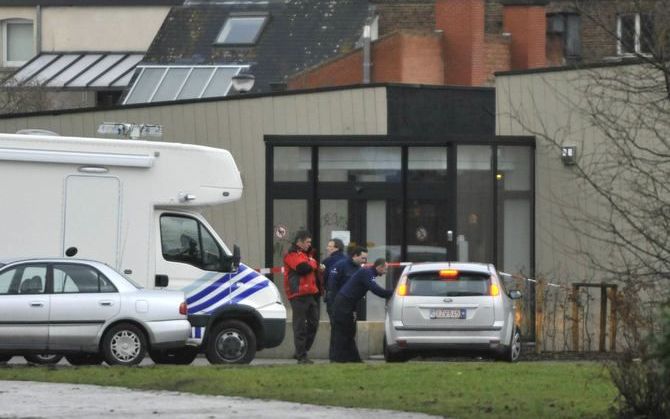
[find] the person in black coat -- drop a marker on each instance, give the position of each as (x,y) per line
(335,251)
(339,274)
(343,334)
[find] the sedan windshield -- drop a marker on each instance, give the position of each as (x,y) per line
(431,284)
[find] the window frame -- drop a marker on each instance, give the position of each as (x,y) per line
(261,28)
(50,273)
(15,283)
(5,47)
(201,262)
(637,34)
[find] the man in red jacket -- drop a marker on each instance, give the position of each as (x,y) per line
(302,290)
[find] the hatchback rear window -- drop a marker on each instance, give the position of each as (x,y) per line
(431,284)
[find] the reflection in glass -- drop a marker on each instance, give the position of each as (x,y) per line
(289,216)
(474,212)
(359,164)
(292,164)
(427,164)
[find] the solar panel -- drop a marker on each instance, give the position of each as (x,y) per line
(77,67)
(95,70)
(117,70)
(33,67)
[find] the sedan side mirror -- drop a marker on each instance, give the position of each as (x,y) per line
(515,294)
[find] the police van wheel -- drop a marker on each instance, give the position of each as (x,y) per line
(182,356)
(231,342)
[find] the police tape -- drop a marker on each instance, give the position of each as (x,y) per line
(280,269)
(534,281)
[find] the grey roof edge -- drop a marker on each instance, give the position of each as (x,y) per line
(621,61)
(88,3)
(244,97)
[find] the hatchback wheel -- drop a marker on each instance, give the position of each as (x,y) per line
(44,359)
(84,359)
(394,356)
(182,356)
(231,342)
(124,344)
(513,351)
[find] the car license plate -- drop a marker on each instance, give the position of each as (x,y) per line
(447,313)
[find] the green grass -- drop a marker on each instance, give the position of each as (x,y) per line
(454,389)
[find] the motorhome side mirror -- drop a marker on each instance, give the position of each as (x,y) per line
(162,281)
(515,294)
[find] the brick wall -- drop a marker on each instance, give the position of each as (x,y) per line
(462,22)
(403,57)
(498,57)
(404,14)
(528,26)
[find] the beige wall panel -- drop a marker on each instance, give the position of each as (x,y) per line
(115,28)
(358,110)
(17,13)
(324,108)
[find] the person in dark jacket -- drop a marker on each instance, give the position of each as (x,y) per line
(344,323)
(335,252)
(302,291)
(338,276)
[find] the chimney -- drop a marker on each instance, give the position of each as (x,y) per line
(526,21)
(462,25)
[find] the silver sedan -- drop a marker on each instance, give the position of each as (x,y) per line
(86,311)
(442,307)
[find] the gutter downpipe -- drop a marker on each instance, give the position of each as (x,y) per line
(38,29)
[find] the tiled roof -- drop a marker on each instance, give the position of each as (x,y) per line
(298,34)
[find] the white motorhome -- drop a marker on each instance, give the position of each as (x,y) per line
(135,206)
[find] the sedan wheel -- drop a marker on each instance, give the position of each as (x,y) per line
(44,359)
(124,344)
(512,352)
(231,342)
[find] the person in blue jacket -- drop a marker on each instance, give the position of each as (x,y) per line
(335,251)
(343,333)
(337,277)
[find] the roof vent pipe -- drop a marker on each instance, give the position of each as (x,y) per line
(367,36)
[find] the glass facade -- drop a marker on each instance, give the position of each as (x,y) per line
(406,203)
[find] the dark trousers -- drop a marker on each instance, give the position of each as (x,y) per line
(343,332)
(305,323)
(329,310)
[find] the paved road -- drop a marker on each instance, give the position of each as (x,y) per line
(58,401)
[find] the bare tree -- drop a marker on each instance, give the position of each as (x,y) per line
(25,98)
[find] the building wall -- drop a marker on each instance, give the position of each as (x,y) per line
(238,126)
(497,55)
(404,57)
(100,28)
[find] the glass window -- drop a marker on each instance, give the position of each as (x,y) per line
(430,284)
(171,84)
(196,82)
(334,218)
(95,70)
(18,42)
(75,278)
(292,164)
(186,240)
(24,279)
(221,81)
(474,209)
(76,68)
(54,67)
(118,70)
(427,164)
(241,30)
(359,164)
(145,85)
(636,33)
(289,216)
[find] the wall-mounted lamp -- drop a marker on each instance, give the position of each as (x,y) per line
(569,155)
(243,82)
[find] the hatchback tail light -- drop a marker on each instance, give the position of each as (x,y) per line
(183,308)
(494,290)
(401,289)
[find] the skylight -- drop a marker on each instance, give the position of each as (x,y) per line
(241,30)
(165,83)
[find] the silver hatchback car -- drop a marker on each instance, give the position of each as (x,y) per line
(85,310)
(447,306)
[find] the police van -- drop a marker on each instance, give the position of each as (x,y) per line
(135,205)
